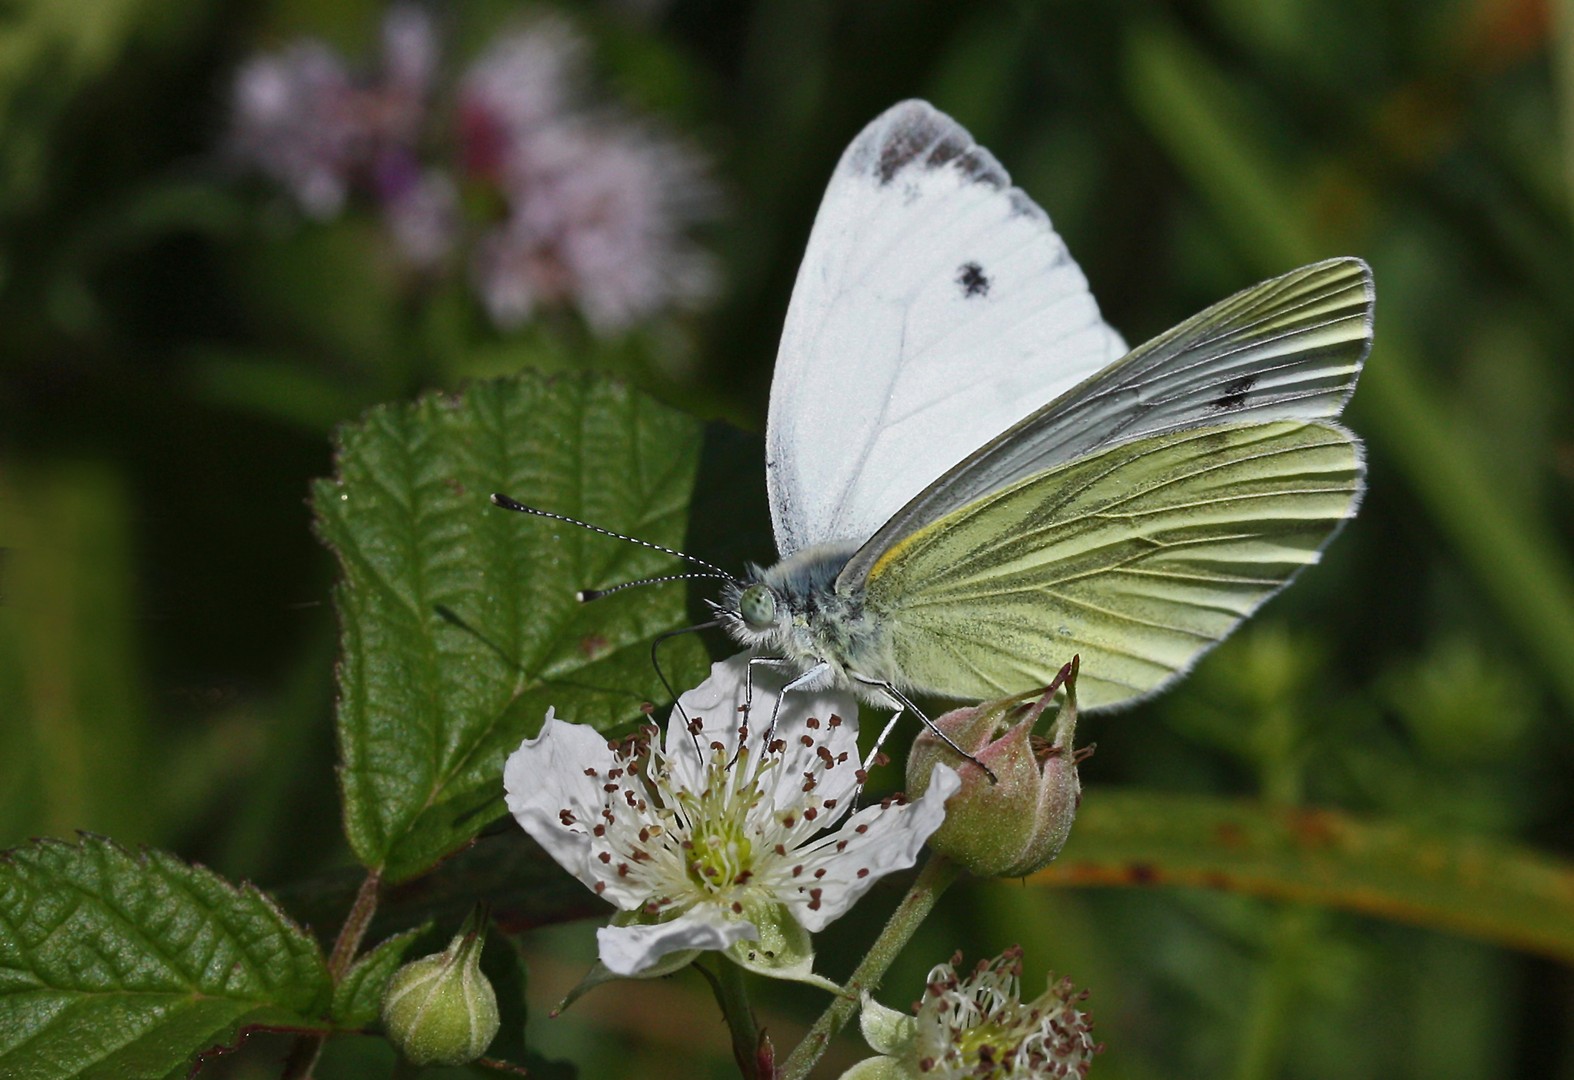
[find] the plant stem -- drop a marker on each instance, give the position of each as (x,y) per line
(304,1054)
(732,994)
(936,876)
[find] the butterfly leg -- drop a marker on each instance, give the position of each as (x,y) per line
(748,681)
(797,682)
(902,704)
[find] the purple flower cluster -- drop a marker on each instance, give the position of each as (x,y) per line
(550,202)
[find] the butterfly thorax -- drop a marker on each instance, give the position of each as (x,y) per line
(795,611)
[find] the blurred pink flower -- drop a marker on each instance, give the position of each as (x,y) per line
(598,205)
(291,123)
(518,86)
(597,218)
(424,217)
(589,209)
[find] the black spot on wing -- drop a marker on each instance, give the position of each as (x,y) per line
(973,280)
(1234,394)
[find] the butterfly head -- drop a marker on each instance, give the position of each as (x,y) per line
(791,609)
(757,607)
(751,610)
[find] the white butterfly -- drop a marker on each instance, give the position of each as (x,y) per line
(972,479)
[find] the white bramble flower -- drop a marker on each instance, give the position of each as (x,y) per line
(711,840)
(979,1026)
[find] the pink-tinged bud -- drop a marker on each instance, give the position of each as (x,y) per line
(1018,823)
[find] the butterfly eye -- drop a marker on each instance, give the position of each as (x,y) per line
(757,605)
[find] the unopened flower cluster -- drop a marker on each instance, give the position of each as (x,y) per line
(503,173)
(978,1025)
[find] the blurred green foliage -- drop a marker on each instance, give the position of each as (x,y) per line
(177,347)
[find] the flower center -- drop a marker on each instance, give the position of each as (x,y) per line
(986,1050)
(720,851)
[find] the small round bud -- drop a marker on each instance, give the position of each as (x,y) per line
(440,1009)
(1018,822)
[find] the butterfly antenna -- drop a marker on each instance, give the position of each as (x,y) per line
(499,499)
(585,596)
(655,663)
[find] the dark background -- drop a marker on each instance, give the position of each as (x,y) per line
(176,345)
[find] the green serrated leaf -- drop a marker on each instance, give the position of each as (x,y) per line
(460,625)
(125,965)
(358,997)
(1473,885)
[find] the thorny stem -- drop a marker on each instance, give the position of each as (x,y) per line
(307,1048)
(937,875)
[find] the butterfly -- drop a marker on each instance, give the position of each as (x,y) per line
(971,477)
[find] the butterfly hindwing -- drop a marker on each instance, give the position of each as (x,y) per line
(935,307)
(1288,348)
(1139,558)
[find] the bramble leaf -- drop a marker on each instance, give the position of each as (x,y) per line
(460,626)
(126,965)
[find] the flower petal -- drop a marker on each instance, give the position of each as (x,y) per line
(886,1030)
(714,705)
(834,871)
(635,949)
(717,704)
(877,1068)
(813,745)
(554,790)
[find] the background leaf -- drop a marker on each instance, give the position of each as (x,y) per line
(460,626)
(123,965)
(1470,884)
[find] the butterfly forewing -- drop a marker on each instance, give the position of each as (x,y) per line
(1138,557)
(935,307)
(1290,347)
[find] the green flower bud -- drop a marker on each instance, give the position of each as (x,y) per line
(440,1010)
(1018,822)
